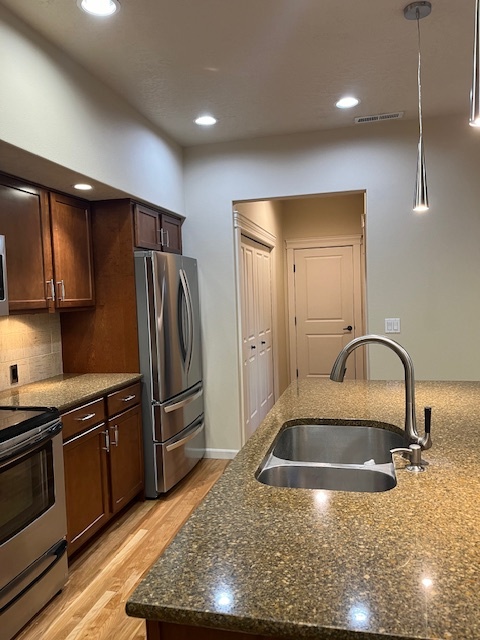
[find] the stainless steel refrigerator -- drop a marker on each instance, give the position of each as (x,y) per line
(171,364)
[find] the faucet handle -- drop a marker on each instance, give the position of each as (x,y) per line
(426,441)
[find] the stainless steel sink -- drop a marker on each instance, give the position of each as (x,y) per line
(336,444)
(333,478)
(333,457)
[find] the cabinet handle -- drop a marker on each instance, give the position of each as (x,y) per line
(51,284)
(115,431)
(107,441)
(162,242)
(89,416)
(128,398)
(61,287)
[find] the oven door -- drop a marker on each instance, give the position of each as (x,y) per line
(32,499)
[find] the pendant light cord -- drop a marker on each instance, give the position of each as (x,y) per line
(419,81)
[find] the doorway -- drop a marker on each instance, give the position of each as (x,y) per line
(303,223)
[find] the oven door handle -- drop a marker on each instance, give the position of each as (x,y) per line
(57,551)
(20,448)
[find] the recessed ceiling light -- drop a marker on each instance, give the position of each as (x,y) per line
(347,103)
(81,186)
(99,7)
(205,121)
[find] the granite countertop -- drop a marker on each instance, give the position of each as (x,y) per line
(67,390)
(297,563)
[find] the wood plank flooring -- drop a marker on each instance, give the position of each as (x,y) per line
(92,604)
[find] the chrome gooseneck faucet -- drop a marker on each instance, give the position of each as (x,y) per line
(338,373)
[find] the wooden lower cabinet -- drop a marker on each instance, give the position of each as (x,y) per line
(103,466)
(86,485)
(126,457)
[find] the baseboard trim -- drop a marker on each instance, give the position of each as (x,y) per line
(221,454)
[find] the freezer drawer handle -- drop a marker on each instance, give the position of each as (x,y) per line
(183,403)
(183,441)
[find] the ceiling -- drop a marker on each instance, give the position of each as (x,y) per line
(265,67)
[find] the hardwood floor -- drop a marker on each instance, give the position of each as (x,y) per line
(92,604)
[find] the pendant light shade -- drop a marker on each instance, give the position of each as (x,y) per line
(416,11)
(475,93)
(420,202)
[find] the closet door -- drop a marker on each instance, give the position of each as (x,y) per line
(256,333)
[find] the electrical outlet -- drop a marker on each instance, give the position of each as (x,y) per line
(13,374)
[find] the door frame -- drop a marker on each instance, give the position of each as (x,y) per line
(359,280)
(246,227)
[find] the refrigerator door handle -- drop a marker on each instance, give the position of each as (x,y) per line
(188,305)
(180,443)
(183,403)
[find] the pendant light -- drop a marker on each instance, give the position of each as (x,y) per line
(475,93)
(417,11)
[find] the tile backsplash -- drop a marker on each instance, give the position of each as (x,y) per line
(33,342)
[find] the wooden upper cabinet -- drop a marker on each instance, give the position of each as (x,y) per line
(171,231)
(48,248)
(72,251)
(147,228)
(24,221)
(157,230)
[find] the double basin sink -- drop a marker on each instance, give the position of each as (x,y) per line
(339,457)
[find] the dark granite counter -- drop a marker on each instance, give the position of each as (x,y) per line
(297,563)
(67,390)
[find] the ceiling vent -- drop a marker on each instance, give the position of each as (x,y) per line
(381,116)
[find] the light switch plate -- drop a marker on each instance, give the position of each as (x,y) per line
(392,325)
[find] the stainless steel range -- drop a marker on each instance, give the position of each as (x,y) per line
(33,559)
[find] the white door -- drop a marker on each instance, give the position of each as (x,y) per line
(324,309)
(256,333)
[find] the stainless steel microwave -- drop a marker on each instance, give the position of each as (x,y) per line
(3,279)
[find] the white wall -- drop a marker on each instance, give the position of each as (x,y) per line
(422,268)
(51,107)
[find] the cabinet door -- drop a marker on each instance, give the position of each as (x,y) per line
(171,234)
(24,222)
(126,457)
(86,485)
(147,228)
(72,251)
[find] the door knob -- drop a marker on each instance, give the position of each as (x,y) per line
(349,328)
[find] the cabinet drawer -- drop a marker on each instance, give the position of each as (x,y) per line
(123,399)
(83,417)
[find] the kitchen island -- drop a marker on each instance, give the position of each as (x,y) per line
(255,560)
